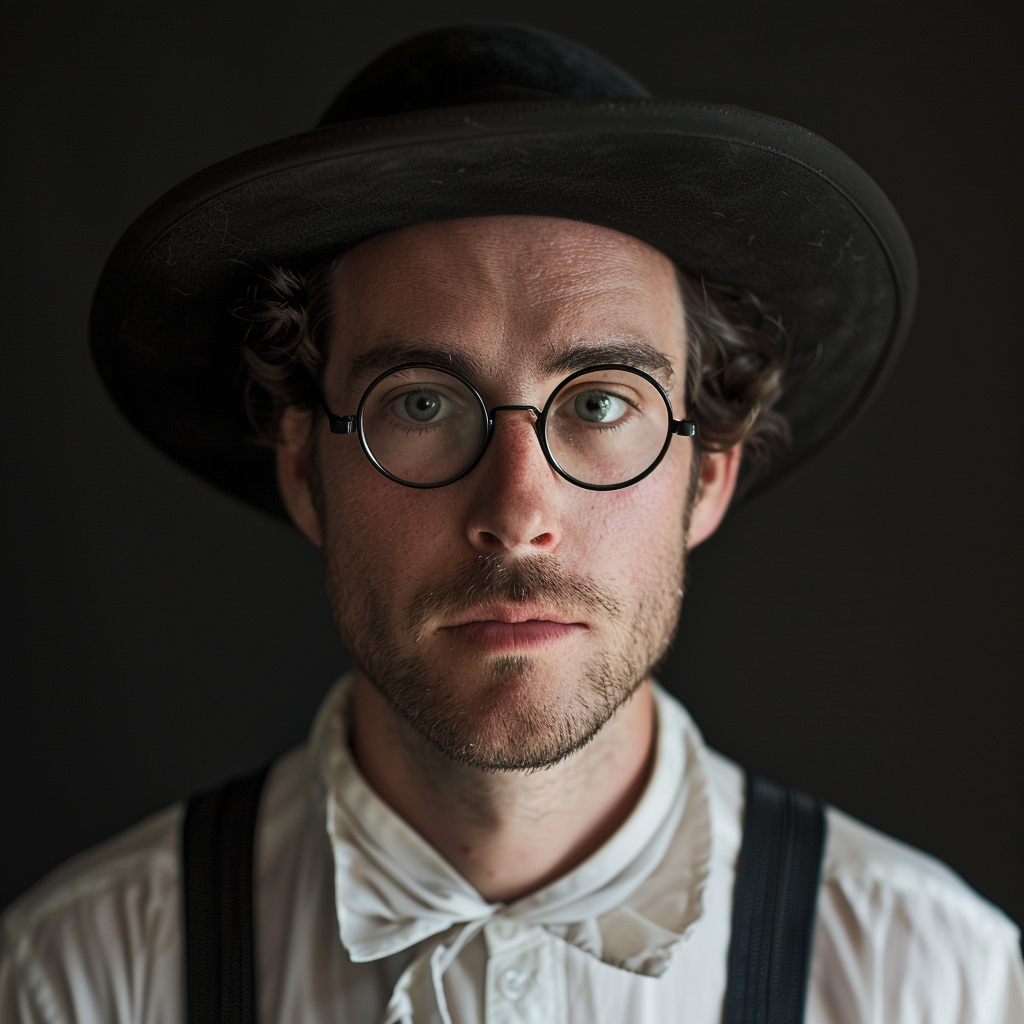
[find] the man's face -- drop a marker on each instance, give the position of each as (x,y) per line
(506,615)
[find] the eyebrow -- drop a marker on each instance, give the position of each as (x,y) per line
(627,349)
(395,353)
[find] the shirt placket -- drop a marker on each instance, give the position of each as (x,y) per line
(525,982)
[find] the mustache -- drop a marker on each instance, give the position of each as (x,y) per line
(495,578)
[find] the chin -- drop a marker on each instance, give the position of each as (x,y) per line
(482,686)
(515,712)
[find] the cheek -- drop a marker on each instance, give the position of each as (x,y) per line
(380,530)
(636,534)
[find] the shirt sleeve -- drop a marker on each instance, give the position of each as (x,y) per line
(901,939)
(99,942)
(18,1003)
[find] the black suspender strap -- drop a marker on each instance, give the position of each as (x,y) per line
(773,906)
(218,841)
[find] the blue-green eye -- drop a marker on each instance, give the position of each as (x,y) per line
(599,407)
(423,406)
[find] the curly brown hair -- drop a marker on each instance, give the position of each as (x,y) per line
(736,358)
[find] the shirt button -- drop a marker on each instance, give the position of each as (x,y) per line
(512,984)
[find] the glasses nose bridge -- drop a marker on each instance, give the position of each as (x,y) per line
(532,409)
(517,408)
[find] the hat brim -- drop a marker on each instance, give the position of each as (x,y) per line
(734,196)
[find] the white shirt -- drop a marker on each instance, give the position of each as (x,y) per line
(360,919)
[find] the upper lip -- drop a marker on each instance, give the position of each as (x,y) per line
(501,612)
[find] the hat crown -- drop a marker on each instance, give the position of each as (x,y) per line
(479,64)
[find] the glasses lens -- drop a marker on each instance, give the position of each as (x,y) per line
(423,426)
(606,427)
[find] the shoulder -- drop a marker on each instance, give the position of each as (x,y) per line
(901,937)
(144,857)
(870,867)
(100,938)
(70,948)
(863,860)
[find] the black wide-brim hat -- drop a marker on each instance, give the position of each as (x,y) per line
(477,121)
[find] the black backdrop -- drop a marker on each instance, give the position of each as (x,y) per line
(855,633)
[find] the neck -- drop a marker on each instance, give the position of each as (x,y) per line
(508,833)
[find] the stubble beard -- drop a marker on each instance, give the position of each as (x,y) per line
(483,725)
(478,726)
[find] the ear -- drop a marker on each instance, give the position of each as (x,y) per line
(715,486)
(293,466)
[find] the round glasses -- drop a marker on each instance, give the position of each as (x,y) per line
(603,427)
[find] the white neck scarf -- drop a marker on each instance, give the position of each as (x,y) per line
(629,904)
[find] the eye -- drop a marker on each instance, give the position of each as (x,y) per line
(424,405)
(599,407)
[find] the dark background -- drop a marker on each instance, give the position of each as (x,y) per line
(854,633)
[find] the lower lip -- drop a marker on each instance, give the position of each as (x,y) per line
(506,636)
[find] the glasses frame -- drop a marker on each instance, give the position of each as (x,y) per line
(353,424)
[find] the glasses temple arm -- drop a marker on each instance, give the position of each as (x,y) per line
(687,428)
(339,424)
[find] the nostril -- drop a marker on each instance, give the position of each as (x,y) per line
(542,540)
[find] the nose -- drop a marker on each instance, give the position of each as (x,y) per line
(516,505)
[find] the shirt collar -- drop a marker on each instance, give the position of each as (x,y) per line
(628,904)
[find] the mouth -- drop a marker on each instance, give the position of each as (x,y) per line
(506,628)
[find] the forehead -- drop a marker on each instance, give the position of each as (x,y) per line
(505,296)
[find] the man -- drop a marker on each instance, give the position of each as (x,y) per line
(515,336)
